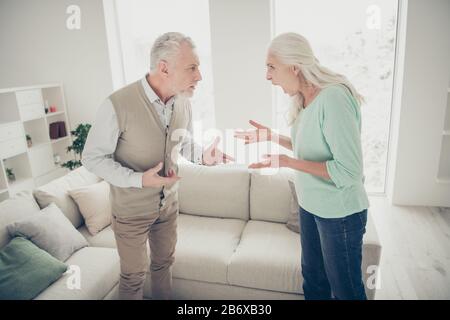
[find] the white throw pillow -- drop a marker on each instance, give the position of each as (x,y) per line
(14,209)
(93,203)
(57,191)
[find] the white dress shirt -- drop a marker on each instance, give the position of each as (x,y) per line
(103,136)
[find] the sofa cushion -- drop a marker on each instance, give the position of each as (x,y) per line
(104,238)
(219,191)
(51,231)
(98,270)
(26,270)
(20,206)
(205,246)
(57,191)
(94,205)
(268,257)
(270,196)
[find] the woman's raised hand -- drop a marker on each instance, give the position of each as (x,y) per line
(260,134)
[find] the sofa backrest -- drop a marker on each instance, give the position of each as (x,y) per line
(57,191)
(219,191)
(271,198)
(224,191)
(14,209)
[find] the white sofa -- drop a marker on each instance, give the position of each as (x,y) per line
(233,242)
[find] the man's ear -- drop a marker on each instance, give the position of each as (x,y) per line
(163,68)
(295,70)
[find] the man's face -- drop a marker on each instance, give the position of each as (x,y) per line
(183,72)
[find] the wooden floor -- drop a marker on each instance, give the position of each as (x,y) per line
(415,259)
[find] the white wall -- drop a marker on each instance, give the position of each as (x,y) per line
(240,35)
(420,99)
(37,48)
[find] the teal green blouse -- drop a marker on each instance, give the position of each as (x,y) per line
(329,130)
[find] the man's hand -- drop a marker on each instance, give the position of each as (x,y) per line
(151,178)
(272,161)
(261,134)
(213,155)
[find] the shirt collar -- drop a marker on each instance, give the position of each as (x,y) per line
(151,95)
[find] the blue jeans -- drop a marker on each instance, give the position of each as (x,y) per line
(332,256)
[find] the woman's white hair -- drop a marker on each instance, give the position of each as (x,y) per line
(293,49)
(166,47)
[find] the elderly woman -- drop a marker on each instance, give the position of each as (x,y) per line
(325,122)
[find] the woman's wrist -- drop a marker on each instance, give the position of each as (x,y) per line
(292,163)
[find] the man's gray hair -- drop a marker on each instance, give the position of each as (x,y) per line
(166,47)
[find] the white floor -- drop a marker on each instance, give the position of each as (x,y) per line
(415,261)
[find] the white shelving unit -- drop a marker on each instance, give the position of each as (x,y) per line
(22,112)
(444,162)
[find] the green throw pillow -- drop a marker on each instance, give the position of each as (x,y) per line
(26,270)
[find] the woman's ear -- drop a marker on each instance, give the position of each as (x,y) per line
(295,70)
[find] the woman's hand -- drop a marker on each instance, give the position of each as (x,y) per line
(318,169)
(272,161)
(261,134)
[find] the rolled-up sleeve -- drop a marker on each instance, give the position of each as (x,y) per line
(99,148)
(341,129)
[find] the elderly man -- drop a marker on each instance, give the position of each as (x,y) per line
(130,145)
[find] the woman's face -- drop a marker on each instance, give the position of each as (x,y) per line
(282,75)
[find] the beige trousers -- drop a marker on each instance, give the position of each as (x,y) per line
(132,233)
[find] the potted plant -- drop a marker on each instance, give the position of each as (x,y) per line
(10,174)
(29,142)
(77,146)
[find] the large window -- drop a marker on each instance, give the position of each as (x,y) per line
(140,22)
(355,38)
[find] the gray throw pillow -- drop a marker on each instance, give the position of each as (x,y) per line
(293,222)
(51,231)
